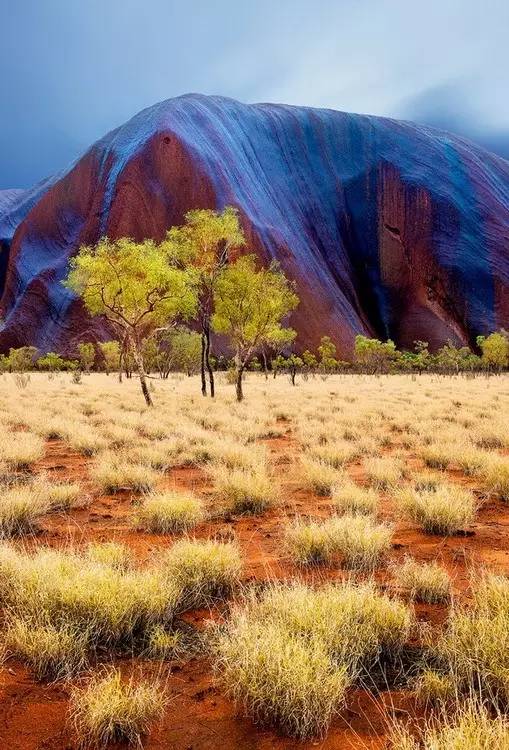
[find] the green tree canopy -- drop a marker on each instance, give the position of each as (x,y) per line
(205,242)
(250,306)
(136,286)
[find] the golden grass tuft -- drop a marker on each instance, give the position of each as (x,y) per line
(109,709)
(203,570)
(21,450)
(348,497)
(113,472)
(244,490)
(444,509)
(426,582)
(169,511)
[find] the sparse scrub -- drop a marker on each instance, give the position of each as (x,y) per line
(445,509)
(21,450)
(320,476)
(360,540)
(383,473)
(496,477)
(112,554)
(109,709)
(470,727)
(308,542)
(348,497)
(203,570)
(294,686)
(170,511)
(52,651)
(426,582)
(244,490)
(114,473)
(20,511)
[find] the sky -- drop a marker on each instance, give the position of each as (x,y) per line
(71,70)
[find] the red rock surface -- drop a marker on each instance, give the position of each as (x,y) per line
(388,228)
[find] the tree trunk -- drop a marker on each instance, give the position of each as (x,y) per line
(138,358)
(240,372)
(207,362)
(292,375)
(202,370)
(264,360)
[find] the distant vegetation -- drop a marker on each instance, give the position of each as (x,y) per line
(162,301)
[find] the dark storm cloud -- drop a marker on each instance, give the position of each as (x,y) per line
(70,70)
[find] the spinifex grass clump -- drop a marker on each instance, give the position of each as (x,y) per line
(308,542)
(245,490)
(21,450)
(473,649)
(383,473)
(348,497)
(319,476)
(166,512)
(358,539)
(114,472)
(52,651)
(426,582)
(469,728)
(203,570)
(109,709)
(289,656)
(71,591)
(21,508)
(443,509)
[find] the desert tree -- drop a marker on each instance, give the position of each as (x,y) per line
(136,287)
(110,352)
(250,306)
(495,350)
(206,241)
(86,356)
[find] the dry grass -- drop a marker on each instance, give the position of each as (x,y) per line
(20,511)
(443,509)
(170,511)
(319,476)
(289,657)
(426,582)
(21,450)
(348,497)
(240,491)
(383,473)
(110,709)
(114,472)
(469,728)
(203,570)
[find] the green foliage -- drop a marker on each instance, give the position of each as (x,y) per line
(495,350)
(22,359)
(250,306)
(452,359)
(132,284)
(110,351)
(52,362)
(375,355)
(86,356)
(136,286)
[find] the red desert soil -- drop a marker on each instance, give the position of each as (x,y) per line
(199,717)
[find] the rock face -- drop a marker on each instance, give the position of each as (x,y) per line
(388,228)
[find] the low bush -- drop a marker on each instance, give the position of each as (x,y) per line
(114,473)
(169,511)
(443,509)
(426,582)
(319,476)
(21,450)
(244,490)
(109,709)
(348,497)
(20,511)
(203,570)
